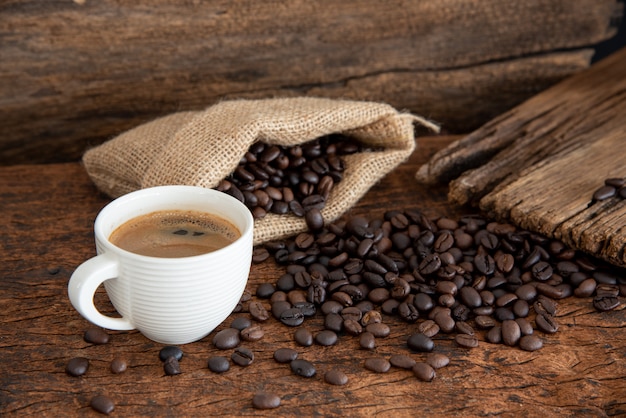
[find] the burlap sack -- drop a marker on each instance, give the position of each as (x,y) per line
(201,148)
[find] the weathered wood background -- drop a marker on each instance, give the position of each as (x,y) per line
(75,73)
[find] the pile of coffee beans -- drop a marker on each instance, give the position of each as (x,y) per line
(613,186)
(449,276)
(295,180)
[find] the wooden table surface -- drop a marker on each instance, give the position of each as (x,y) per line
(47,216)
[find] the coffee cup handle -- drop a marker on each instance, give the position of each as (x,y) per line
(83,285)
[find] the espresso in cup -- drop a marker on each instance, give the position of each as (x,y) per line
(175,233)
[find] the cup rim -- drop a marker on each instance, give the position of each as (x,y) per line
(104,240)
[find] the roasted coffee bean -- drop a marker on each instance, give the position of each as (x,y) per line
(226,339)
(437,360)
(525,327)
(494,335)
(265,290)
(605,303)
(171,366)
(335,377)
(408,312)
(371,317)
(258,312)
(430,264)
(303,368)
(326,338)
(484,263)
(470,297)
(445,321)
(259,255)
(252,333)
(367,341)
(102,404)
(314,219)
(420,342)
(530,343)
(352,327)
(379,330)
(402,361)
(545,304)
(171,351)
(265,400)
(429,328)
(218,364)
(292,317)
(77,366)
(464,328)
(377,364)
(280,306)
(303,337)
(96,336)
(466,341)
(240,323)
(333,322)
(546,323)
(511,332)
(542,271)
(307,308)
(285,355)
(242,356)
(604,192)
(118,365)
(424,371)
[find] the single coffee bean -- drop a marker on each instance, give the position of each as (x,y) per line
(96,336)
(118,365)
(285,355)
(252,333)
(226,339)
(326,338)
(77,366)
(242,356)
(367,341)
(530,343)
(494,335)
(605,303)
(437,360)
(307,308)
(429,328)
(466,341)
(511,332)
(264,400)
(402,361)
(171,366)
(303,368)
(335,377)
(604,192)
(259,255)
(292,317)
(424,372)
(241,323)
(218,364)
(378,330)
(265,290)
(420,342)
(303,337)
(445,321)
(525,326)
(102,404)
(352,327)
(170,351)
(314,219)
(546,323)
(377,364)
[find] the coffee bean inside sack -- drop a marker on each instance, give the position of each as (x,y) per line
(295,180)
(455,277)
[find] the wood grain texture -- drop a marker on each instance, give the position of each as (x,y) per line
(75,73)
(540,163)
(48,213)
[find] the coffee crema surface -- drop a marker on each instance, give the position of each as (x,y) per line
(175,234)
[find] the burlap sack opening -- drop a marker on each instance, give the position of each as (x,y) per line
(202,148)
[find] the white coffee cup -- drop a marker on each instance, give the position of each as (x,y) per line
(169,300)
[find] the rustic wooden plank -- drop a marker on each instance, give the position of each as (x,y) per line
(48,213)
(540,163)
(554,198)
(74,74)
